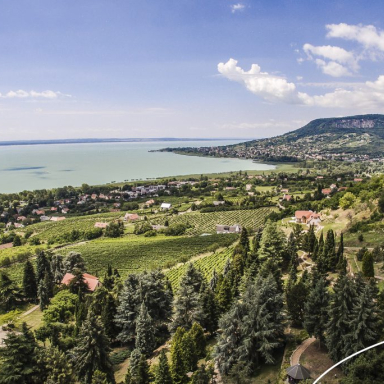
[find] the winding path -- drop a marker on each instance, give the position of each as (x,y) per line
(295,357)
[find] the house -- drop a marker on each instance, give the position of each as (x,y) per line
(217,203)
(93,196)
(220,229)
(131,217)
(320,177)
(326,191)
(65,210)
(356,180)
(287,197)
(57,218)
(149,203)
(284,190)
(44,218)
(248,187)
(307,217)
(101,225)
(166,206)
(38,212)
(21,218)
(92,281)
(157,227)
(53,209)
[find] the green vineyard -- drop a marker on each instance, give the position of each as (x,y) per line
(207,264)
(206,222)
(134,254)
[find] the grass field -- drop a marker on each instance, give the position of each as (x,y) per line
(133,254)
(206,222)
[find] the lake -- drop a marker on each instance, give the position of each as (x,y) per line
(30,167)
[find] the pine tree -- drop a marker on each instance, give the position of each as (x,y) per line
(92,351)
(203,375)
(162,371)
(29,281)
(145,333)
(10,294)
(198,337)
(178,368)
(364,323)
(296,296)
(208,313)
(57,367)
(224,295)
(244,241)
(18,359)
(329,251)
(272,244)
(187,300)
(316,311)
(99,378)
(340,313)
(57,268)
(270,266)
(214,280)
(367,267)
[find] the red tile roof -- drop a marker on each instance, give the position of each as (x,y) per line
(92,281)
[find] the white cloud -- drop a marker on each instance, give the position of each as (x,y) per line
(368,95)
(367,35)
(237,7)
(332,68)
(269,87)
(20,94)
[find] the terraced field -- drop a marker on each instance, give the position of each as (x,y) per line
(206,265)
(133,254)
(206,222)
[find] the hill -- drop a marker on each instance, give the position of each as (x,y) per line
(344,138)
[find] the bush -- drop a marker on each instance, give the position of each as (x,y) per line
(150,233)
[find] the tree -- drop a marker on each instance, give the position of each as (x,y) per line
(42,266)
(316,311)
(178,367)
(115,229)
(347,200)
(244,241)
(145,333)
(108,315)
(272,243)
(367,267)
(10,294)
(73,261)
(57,268)
(203,375)
(43,294)
(16,241)
(18,359)
(99,378)
(29,281)
(190,355)
(252,329)
(364,323)
(340,313)
(59,369)
(92,351)
(78,284)
(296,296)
(208,313)
(198,337)
(162,371)
(186,303)
(224,294)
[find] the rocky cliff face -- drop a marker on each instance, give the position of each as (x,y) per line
(354,123)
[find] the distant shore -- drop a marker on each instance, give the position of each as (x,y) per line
(110,140)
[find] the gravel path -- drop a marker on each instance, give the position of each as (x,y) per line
(295,358)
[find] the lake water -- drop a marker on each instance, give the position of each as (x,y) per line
(30,167)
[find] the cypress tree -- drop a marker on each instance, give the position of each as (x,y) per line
(178,367)
(92,351)
(29,281)
(296,297)
(43,294)
(42,266)
(198,337)
(57,268)
(107,317)
(145,333)
(162,371)
(368,268)
(10,294)
(244,241)
(214,280)
(316,311)
(190,355)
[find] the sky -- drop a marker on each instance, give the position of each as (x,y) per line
(185,68)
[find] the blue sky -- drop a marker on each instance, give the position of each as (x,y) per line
(182,68)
